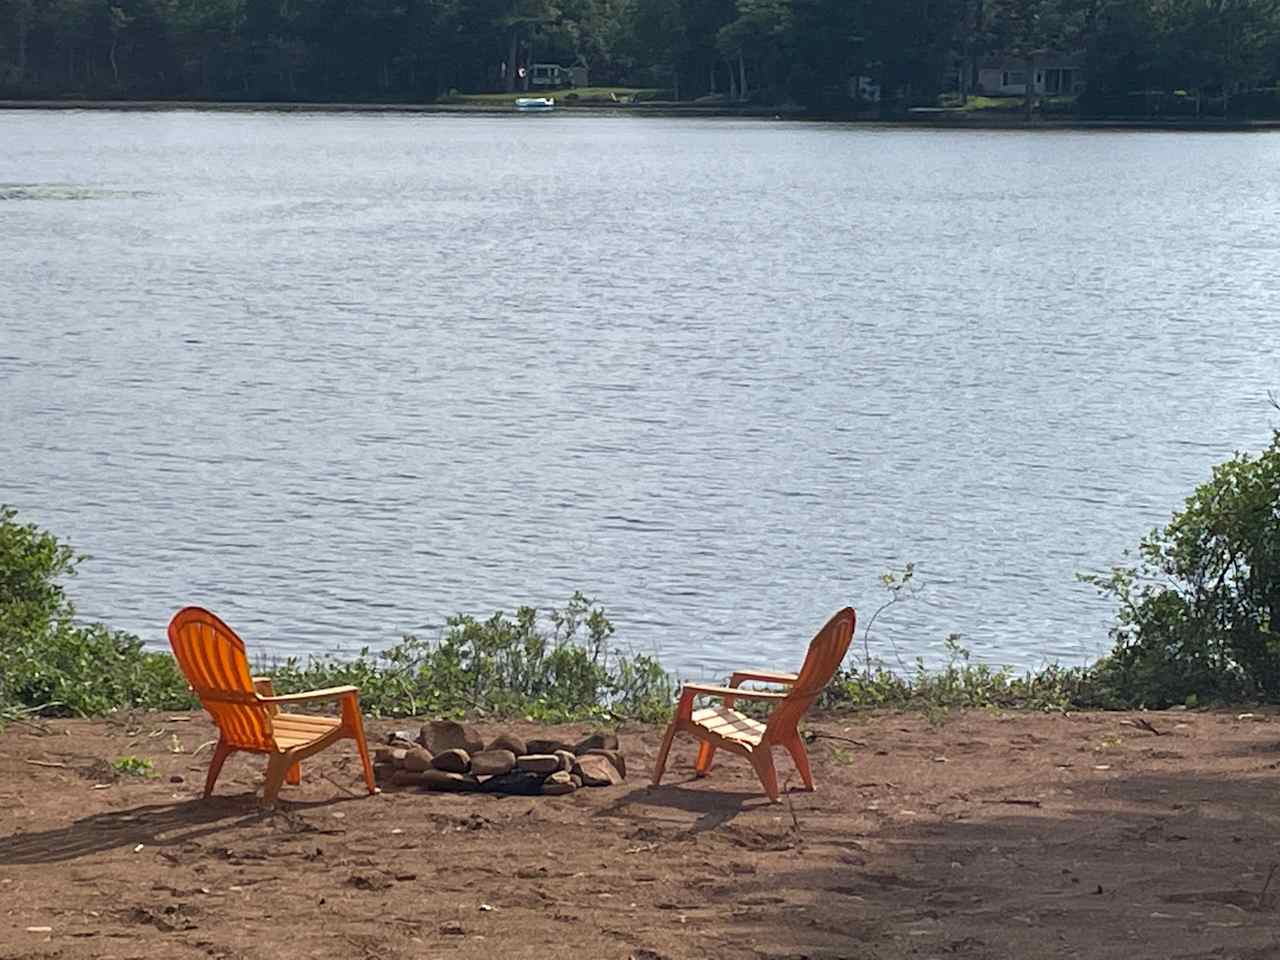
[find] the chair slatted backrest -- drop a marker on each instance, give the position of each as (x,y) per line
(214,661)
(826,653)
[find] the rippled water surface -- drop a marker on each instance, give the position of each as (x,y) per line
(339,376)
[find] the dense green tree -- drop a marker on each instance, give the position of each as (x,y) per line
(806,51)
(1199,613)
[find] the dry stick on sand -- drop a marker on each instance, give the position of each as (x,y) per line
(46,763)
(1015,801)
(347,790)
(1262,894)
(791,807)
(1144,725)
(812,735)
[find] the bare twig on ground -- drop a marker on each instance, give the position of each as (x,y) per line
(791,808)
(831,736)
(1143,724)
(347,790)
(1262,894)
(28,716)
(1014,801)
(46,763)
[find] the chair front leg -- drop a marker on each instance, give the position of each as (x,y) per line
(220,754)
(762,761)
(660,764)
(353,720)
(800,757)
(277,769)
(684,710)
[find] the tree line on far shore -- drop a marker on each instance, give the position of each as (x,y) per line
(803,52)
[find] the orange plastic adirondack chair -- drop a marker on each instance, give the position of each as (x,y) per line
(247,711)
(723,727)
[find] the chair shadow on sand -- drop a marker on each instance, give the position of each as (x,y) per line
(156,825)
(714,808)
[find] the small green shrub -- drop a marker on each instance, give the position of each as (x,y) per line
(49,662)
(1199,612)
(960,684)
(133,767)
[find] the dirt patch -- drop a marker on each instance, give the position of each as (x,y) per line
(987,836)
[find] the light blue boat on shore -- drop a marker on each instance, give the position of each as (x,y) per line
(535,104)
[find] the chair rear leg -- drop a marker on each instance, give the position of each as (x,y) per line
(660,764)
(220,754)
(800,757)
(706,753)
(762,761)
(354,721)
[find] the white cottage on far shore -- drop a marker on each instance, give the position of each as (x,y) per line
(1054,75)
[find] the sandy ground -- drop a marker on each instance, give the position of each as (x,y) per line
(984,836)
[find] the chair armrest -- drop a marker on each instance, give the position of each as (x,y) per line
(706,689)
(765,676)
(263,686)
(332,693)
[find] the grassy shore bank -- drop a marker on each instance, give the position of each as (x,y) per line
(502,104)
(1195,626)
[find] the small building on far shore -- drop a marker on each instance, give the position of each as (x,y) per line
(554,75)
(1051,75)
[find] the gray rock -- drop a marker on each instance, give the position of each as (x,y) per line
(515,783)
(441,735)
(409,778)
(383,772)
(492,763)
(596,741)
(398,755)
(567,760)
(417,759)
(560,782)
(543,763)
(401,738)
(452,761)
(597,771)
(545,746)
(508,741)
(447,781)
(382,755)
(615,757)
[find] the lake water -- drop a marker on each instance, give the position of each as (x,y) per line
(338,376)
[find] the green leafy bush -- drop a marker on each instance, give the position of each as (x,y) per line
(53,664)
(960,684)
(1199,613)
(501,666)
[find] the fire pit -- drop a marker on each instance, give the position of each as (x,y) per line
(451,756)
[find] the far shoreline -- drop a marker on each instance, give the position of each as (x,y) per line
(929,119)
